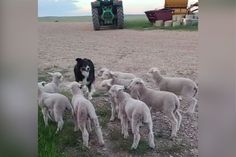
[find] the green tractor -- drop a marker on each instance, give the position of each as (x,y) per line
(107,13)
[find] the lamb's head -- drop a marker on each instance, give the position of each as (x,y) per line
(101,71)
(106,84)
(56,76)
(135,84)
(75,87)
(41,84)
(108,75)
(115,89)
(154,70)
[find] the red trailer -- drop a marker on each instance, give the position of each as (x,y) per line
(161,14)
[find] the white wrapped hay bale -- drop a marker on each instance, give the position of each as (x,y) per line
(168,23)
(174,17)
(176,23)
(180,18)
(189,17)
(187,22)
(159,23)
(196,16)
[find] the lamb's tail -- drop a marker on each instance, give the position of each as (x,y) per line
(177,104)
(70,108)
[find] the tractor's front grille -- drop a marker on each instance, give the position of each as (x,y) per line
(107,15)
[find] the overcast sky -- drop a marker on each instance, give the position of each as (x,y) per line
(82,7)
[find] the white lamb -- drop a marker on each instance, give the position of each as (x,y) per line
(134,111)
(106,84)
(84,113)
(107,74)
(182,87)
(100,72)
(53,106)
(114,81)
(162,101)
(53,86)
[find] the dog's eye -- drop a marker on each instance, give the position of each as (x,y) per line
(83,69)
(88,69)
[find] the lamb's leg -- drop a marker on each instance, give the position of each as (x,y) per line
(150,135)
(135,129)
(91,91)
(126,133)
(174,123)
(179,118)
(122,124)
(98,131)
(59,119)
(85,134)
(76,128)
(89,125)
(59,125)
(192,106)
(112,109)
(45,116)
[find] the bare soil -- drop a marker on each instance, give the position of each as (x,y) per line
(135,51)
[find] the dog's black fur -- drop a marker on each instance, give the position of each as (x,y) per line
(81,65)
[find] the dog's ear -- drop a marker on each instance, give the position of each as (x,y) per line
(78,59)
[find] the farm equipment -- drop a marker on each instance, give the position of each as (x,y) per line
(107,13)
(172,7)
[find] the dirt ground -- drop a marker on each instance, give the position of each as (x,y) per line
(175,53)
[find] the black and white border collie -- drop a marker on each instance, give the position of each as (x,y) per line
(84,72)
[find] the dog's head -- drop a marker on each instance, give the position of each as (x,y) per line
(84,67)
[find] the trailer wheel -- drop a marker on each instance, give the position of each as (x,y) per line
(120,18)
(96,24)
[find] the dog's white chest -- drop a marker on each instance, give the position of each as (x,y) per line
(85,82)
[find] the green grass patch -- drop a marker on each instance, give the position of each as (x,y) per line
(104,115)
(138,24)
(119,144)
(44,76)
(99,94)
(66,143)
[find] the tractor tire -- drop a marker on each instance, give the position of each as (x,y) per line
(120,17)
(96,24)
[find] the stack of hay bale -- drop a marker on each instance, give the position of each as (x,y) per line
(191,19)
(178,20)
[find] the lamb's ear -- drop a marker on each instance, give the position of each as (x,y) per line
(121,88)
(113,75)
(50,73)
(109,83)
(78,59)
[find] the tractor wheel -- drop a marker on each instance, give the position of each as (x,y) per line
(120,18)
(96,24)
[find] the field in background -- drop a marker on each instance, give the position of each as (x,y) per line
(139,22)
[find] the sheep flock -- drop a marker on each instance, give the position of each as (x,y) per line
(132,103)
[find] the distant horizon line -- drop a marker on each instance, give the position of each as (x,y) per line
(83,15)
